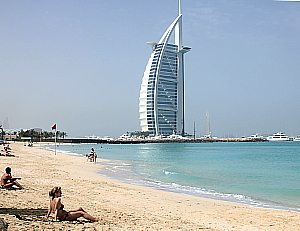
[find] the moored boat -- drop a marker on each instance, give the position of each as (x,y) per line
(297,138)
(255,136)
(279,136)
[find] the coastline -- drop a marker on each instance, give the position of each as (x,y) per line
(120,205)
(129,167)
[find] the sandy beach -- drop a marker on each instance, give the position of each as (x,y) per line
(120,206)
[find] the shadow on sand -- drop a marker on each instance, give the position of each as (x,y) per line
(34,215)
(11,211)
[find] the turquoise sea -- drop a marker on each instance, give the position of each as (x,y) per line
(264,174)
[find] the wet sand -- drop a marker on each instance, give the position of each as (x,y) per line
(120,206)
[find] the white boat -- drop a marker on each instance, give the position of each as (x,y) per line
(297,138)
(175,136)
(279,136)
(125,136)
(255,136)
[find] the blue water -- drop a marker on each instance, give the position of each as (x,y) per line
(265,174)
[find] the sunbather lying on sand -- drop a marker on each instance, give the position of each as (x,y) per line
(58,208)
(7,150)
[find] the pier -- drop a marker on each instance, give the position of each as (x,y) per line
(144,141)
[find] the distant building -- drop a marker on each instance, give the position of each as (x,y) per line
(5,123)
(161,102)
(10,137)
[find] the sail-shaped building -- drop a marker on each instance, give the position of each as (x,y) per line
(161,102)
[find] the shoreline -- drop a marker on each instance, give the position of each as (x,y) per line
(114,169)
(193,191)
(120,205)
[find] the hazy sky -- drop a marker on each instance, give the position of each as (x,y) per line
(80,64)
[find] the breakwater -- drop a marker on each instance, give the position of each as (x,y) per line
(142,141)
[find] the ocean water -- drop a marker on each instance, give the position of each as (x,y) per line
(264,174)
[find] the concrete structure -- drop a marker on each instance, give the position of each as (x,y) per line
(9,137)
(161,102)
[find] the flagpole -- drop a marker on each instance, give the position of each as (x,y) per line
(41,133)
(55,140)
(54,127)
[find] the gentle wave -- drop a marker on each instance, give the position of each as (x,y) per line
(125,170)
(62,151)
(120,170)
(170,173)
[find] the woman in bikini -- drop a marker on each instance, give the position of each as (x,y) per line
(58,208)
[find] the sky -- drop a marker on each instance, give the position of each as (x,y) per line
(80,64)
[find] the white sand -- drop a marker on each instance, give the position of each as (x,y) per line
(120,206)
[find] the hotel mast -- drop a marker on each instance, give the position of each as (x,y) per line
(161,102)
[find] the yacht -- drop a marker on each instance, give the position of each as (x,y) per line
(174,136)
(125,136)
(255,136)
(297,138)
(279,136)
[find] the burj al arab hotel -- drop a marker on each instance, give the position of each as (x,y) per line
(161,102)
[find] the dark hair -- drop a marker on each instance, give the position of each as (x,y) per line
(8,170)
(53,191)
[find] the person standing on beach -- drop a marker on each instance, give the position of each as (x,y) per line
(7,181)
(94,155)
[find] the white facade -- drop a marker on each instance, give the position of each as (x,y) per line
(161,105)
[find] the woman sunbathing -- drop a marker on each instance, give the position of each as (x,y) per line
(58,208)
